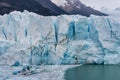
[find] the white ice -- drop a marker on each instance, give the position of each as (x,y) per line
(66,39)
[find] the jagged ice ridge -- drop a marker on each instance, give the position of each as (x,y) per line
(66,39)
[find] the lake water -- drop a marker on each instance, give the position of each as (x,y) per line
(94,72)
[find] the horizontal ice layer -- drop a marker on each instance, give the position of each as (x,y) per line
(28,38)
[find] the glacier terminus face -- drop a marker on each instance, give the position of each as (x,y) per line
(28,38)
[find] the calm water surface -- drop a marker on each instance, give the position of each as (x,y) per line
(94,72)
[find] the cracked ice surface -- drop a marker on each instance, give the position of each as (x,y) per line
(31,39)
(55,72)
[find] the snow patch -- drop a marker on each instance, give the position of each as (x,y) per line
(59,2)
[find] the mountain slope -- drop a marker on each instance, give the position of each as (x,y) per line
(76,7)
(7,6)
(47,7)
(48,4)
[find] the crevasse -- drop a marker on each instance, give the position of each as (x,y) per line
(64,39)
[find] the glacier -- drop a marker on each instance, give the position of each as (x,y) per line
(28,38)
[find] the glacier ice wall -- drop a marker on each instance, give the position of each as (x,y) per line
(67,39)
